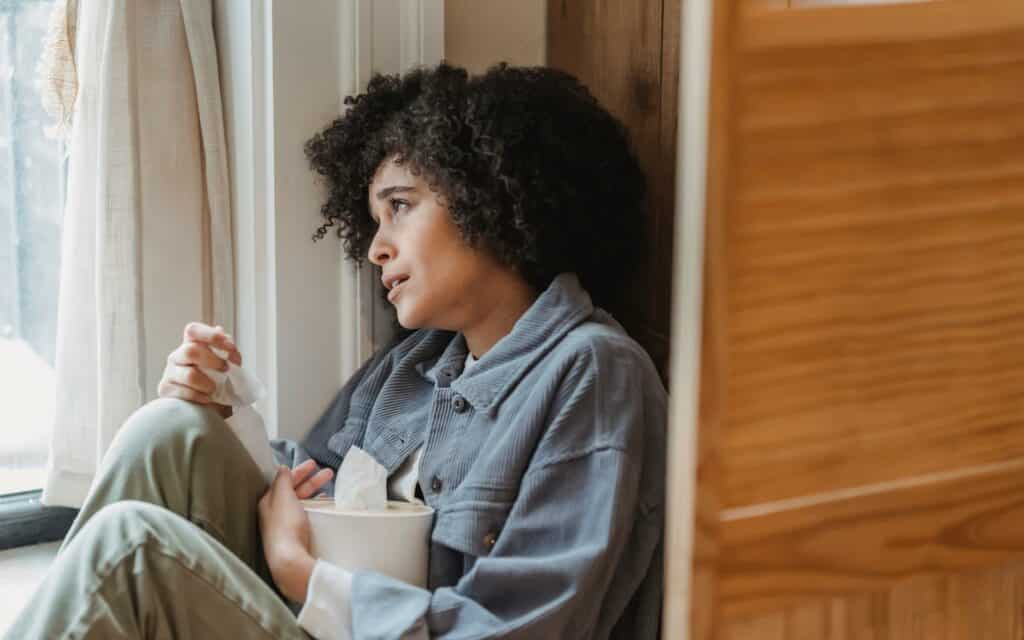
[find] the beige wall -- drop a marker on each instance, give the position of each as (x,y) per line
(479,33)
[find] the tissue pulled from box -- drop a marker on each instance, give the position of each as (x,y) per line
(361,483)
(238,388)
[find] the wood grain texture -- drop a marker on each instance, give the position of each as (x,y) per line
(870,541)
(867,423)
(980,604)
(615,47)
(875,263)
(664,182)
(807,4)
(758,5)
(934,19)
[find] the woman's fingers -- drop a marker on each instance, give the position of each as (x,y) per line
(215,336)
(170,389)
(182,376)
(199,332)
(302,471)
(307,480)
(198,354)
(192,378)
(310,487)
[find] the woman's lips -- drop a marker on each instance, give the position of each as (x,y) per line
(395,289)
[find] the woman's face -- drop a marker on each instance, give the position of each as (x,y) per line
(446,281)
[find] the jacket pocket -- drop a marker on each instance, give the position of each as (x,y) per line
(473,524)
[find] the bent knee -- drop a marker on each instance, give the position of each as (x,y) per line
(130,524)
(165,423)
(127,519)
(172,414)
(124,511)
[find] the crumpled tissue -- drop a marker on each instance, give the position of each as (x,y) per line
(239,389)
(361,483)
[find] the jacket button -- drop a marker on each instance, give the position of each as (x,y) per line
(490,539)
(436,484)
(459,404)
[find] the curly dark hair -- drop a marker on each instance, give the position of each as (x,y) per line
(531,167)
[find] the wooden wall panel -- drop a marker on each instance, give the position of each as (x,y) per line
(626,52)
(665,170)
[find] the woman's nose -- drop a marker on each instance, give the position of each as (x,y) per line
(380,250)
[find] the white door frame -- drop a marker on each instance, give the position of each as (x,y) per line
(687,312)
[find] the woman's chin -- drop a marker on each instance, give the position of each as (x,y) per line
(407,320)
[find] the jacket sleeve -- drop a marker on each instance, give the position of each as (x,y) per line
(370,374)
(547,571)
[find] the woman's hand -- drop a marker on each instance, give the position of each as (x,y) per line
(308,479)
(284,527)
(182,377)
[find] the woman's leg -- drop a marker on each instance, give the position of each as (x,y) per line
(185,458)
(135,570)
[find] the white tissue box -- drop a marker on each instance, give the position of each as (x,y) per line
(394,541)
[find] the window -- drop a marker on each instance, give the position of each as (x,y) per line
(32,186)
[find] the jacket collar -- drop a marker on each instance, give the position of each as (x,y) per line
(560,308)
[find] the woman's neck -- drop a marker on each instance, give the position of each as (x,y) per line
(500,312)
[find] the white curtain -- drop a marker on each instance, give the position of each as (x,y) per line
(147,223)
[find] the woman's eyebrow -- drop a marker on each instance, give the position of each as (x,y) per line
(387,191)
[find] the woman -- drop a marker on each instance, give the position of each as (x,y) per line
(499,209)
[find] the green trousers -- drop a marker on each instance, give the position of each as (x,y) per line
(167,544)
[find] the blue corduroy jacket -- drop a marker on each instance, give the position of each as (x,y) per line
(545,464)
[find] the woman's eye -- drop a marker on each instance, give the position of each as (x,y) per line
(398,205)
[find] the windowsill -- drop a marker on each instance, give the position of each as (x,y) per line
(21,480)
(21,571)
(24,521)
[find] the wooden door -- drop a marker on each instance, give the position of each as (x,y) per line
(861,418)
